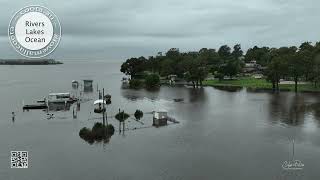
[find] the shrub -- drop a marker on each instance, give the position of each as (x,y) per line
(152,81)
(135,84)
(220,76)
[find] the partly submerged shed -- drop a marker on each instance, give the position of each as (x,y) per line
(160,118)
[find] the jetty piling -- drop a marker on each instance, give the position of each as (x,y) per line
(103,120)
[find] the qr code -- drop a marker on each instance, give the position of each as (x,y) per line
(19,159)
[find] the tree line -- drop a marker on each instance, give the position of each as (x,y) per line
(292,63)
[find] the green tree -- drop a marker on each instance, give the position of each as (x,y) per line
(258,54)
(274,72)
(296,68)
(224,52)
(316,71)
(231,68)
(133,66)
(237,52)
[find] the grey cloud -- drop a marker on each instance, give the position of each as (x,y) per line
(119,29)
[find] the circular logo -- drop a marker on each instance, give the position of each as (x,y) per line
(34,31)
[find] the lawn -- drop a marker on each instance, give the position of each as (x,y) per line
(259,84)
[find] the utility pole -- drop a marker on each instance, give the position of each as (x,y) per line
(119,122)
(123,119)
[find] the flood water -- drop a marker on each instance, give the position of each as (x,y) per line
(221,135)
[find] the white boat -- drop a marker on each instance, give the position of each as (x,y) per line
(99,106)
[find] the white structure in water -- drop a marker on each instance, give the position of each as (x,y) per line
(160,118)
(87,83)
(60,98)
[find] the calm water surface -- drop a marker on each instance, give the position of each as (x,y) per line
(221,135)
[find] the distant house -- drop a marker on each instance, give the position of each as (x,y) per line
(172,78)
(252,67)
(87,83)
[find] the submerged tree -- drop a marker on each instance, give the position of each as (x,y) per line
(138,114)
(122,117)
(98,133)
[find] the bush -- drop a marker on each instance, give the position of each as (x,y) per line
(135,84)
(138,114)
(152,81)
(220,76)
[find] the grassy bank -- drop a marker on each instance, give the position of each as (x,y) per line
(260,84)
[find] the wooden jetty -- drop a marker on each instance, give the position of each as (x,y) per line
(35,106)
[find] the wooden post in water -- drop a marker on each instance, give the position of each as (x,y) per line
(103,107)
(293,150)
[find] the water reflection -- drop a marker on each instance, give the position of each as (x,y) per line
(229,88)
(292,109)
(286,107)
(88,89)
(179,94)
(197,95)
(134,95)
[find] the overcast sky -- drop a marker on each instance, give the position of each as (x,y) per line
(118,29)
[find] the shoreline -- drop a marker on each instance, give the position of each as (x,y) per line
(253,85)
(29,62)
(261,85)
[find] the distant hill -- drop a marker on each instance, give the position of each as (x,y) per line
(29,62)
